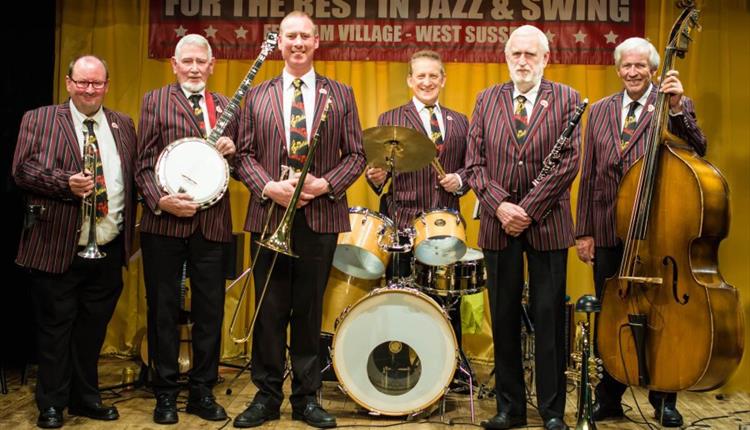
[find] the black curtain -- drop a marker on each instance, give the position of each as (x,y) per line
(28,73)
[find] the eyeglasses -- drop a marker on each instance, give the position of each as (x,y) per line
(82,85)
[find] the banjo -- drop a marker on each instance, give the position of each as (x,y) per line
(193,165)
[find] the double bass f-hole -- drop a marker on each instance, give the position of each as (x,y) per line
(670,261)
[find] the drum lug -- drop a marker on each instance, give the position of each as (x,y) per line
(343,389)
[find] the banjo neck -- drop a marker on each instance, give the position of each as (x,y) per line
(234,103)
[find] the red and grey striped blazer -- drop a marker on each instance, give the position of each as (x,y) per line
(604,165)
(419,191)
(339,158)
(166,116)
(47,154)
(501,169)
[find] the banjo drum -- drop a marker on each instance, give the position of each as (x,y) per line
(193,165)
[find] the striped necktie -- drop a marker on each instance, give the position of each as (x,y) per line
(521,119)
(297,129)
(102,202)
(631,123)
(435,134)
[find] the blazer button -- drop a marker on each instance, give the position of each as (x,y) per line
(520,163)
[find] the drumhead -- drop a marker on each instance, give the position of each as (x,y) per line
(195,167)
(472,254)
(394,351)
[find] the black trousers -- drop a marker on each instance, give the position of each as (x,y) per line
(609,391)
(72,310)
(547,272)
(163,259)
(294,298)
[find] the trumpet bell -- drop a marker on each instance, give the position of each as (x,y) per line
(92,252)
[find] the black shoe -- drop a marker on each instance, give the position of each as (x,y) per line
(504,421)
(604,411)
(50,418)
(206,408)
(314,415)
(256,414)
(165,411)
(669,417)
(96,411)
(555,424)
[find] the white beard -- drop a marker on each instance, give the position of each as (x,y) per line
(193,87)
(532,79)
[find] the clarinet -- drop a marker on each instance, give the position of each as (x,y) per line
(553,158)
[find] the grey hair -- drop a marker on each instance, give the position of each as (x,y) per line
(637,44)
(529,29)
(193,39)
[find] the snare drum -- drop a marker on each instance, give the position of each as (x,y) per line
(358,252)
(467,276)
(440,238)
(394,351)
(195,167)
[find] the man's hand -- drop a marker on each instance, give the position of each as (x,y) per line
(225,146)
(180,205)
(315,186)
(281,193)
(585,249)
(450,182)
(81,183)
(376,175)
(673,87)
(513,218)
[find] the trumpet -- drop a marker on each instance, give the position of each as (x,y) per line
(587,369)
(281,240)
(88,203)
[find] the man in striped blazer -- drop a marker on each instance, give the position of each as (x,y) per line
(607,156)
(514,127)
(174,234)
(279,119)
(422,190)
(74,297)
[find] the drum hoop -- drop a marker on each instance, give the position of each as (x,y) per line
(368,212)
(164,157)
(407,291)
(443,209)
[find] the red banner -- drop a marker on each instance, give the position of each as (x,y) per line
(579,31)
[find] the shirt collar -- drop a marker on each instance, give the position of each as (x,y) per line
(530,95)
(188,93)
(78,117)
(308,78)
(419,105)
(626,100)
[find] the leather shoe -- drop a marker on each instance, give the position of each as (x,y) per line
(555,424)
(669,417)
(96,411)
(206,408)
(255,414)
(314,415)
(504,421)
(165,411)
(604,411)
(50,418)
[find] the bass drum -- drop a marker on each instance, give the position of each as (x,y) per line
(195,167)
(394,351)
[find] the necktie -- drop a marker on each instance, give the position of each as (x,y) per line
(435,134)
(629,127)
(102,206)
(297,129)
(521,119)
(198,113)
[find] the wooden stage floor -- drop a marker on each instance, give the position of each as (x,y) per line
(18,410)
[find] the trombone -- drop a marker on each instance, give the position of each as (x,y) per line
(281,240)
(88,203)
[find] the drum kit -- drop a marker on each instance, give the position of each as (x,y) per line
(393,350)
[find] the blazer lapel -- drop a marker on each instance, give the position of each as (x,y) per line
(644,120)
(122,150)
(412,116)
(184,105)
(541,107)
(321,89)
(447,122)
(506,99)
(65,119)
(277,99)
(614,119)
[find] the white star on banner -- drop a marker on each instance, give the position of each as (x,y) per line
(180,31)
(240,32)
(611,37)
(210,31)
(580,36)
(550,35)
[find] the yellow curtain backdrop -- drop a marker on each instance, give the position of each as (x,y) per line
(712,73)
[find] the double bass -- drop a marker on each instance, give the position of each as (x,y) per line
(669,320)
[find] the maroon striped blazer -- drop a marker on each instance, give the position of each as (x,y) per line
(419,191)
(339,158)
(503,170)
(167,115)
(604,164)
(47,154)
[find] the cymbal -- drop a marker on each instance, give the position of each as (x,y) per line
(398,148)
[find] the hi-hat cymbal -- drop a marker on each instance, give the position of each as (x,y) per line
(399,148)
